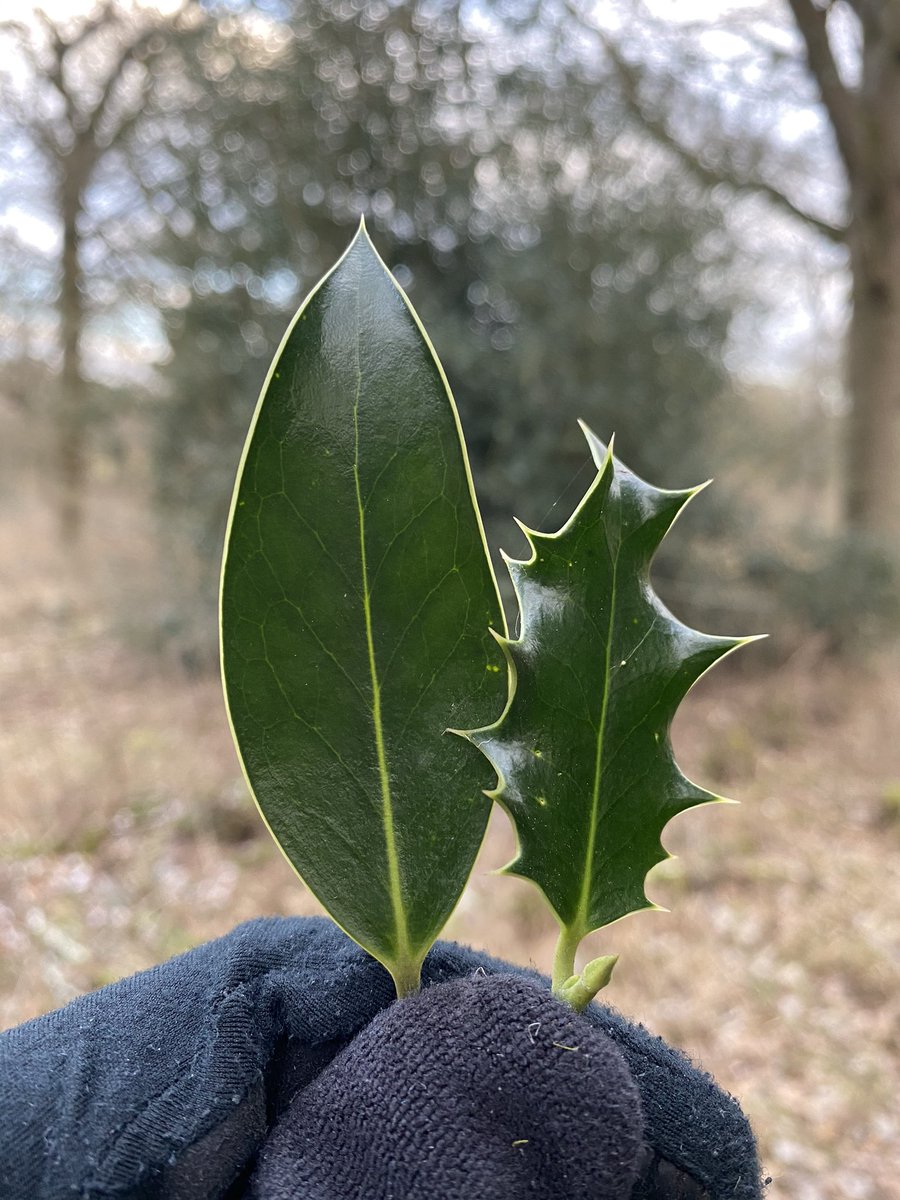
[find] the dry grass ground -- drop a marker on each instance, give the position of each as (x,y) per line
(127,837)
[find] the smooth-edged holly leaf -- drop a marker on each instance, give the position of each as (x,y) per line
(357,604)
(582,753)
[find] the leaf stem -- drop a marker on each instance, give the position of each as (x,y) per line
(564,959)
(407,977)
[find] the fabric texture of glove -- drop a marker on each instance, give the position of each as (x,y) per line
(164,1086)
(483,1086)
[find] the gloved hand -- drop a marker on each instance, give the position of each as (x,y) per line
(168,1084)
(483,1086)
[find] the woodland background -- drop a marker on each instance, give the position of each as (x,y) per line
(682,226)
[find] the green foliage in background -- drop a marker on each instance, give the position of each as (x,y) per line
(563,267)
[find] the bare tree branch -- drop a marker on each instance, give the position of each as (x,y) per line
(840,103)
(129,53)
(656,126)
(54,71)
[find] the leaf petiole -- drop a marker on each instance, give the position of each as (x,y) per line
(407,977)
(564,958)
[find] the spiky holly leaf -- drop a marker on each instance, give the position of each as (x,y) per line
(582,752)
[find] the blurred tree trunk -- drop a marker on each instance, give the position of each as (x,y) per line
(71,432)
(865,122)
(873,367)
(87,87)
(872,159)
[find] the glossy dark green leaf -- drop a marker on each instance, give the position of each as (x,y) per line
(357,604)
(582,752)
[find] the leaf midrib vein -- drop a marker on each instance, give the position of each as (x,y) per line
(393,862)
(584,899)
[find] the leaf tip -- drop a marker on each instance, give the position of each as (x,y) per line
(499,872)
(530,534)
(511,562)
(495,793)
(501,639)
(601,452)
(510,870)
(751,637)
(729,800)
(363,237)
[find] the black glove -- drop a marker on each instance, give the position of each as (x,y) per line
(484,1087)
(165,1085)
